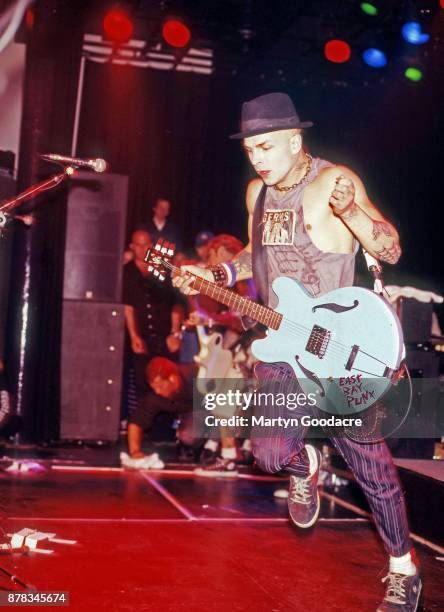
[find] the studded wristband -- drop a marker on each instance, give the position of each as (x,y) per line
(220,275)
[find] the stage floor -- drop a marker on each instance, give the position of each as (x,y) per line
(168,540)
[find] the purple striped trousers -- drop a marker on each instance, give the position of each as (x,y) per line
(371,463)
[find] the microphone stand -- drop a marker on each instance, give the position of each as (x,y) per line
(6,206)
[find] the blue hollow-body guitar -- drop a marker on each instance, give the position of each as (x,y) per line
(345,346)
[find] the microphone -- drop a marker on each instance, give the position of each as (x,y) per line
(6,218)
(27,220)
(98,165)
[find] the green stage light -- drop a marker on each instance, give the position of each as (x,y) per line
(413,74)
(369,9)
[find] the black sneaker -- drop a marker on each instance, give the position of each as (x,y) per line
(221,468)
(402,593)
(303,497)
(245,457)
(207,456)
(186,453)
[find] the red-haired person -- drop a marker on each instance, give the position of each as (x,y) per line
(170,391)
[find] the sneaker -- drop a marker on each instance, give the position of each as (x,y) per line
(186,453)
(207,456)
(402,593)
(303,497)
(148,462)
(221,468)
(245,457)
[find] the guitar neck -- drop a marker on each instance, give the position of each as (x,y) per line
(244,306)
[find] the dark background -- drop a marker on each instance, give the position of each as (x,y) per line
(168,131)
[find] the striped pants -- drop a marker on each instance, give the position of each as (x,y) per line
(371,463)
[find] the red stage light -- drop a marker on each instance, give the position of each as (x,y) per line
(176,33)
(118,26)
(337,51)
(29,19)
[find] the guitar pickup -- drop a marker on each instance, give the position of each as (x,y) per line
(318,341)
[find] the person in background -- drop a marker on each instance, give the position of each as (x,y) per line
(159,226)
(219,460)
(190,344)
(153,311)
(201,246)
(171,391)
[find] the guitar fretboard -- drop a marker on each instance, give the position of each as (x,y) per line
(244,306)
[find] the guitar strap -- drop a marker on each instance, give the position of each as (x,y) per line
(259,256)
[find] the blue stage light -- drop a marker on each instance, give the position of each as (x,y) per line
(374,58)
(413,34)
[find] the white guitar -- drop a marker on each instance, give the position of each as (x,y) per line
(346,346)
(213,360)
(217,372)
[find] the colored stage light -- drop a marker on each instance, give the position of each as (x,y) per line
(118,26)
(413,74)
(369,9)
(176,33)
(413,34)
(337,51)
(374,58)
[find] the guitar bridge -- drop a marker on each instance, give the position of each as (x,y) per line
(318,341)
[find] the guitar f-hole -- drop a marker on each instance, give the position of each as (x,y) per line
(311,376)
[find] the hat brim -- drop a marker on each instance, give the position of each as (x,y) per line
(248,133)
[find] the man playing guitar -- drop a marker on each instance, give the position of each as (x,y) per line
(306,218)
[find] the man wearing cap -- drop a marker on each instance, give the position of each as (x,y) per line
(307,217)
(201,245)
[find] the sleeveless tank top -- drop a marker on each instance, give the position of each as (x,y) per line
(287,249)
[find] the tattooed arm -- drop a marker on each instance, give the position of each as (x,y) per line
(351,204)
(242,261)
(242,264)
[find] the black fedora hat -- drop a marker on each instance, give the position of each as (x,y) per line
(269,113)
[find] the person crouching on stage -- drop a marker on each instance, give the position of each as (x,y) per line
(171,391)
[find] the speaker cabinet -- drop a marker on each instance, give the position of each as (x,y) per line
(416,320)
(95,236)
(91,370)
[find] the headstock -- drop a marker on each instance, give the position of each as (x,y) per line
(159,258)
